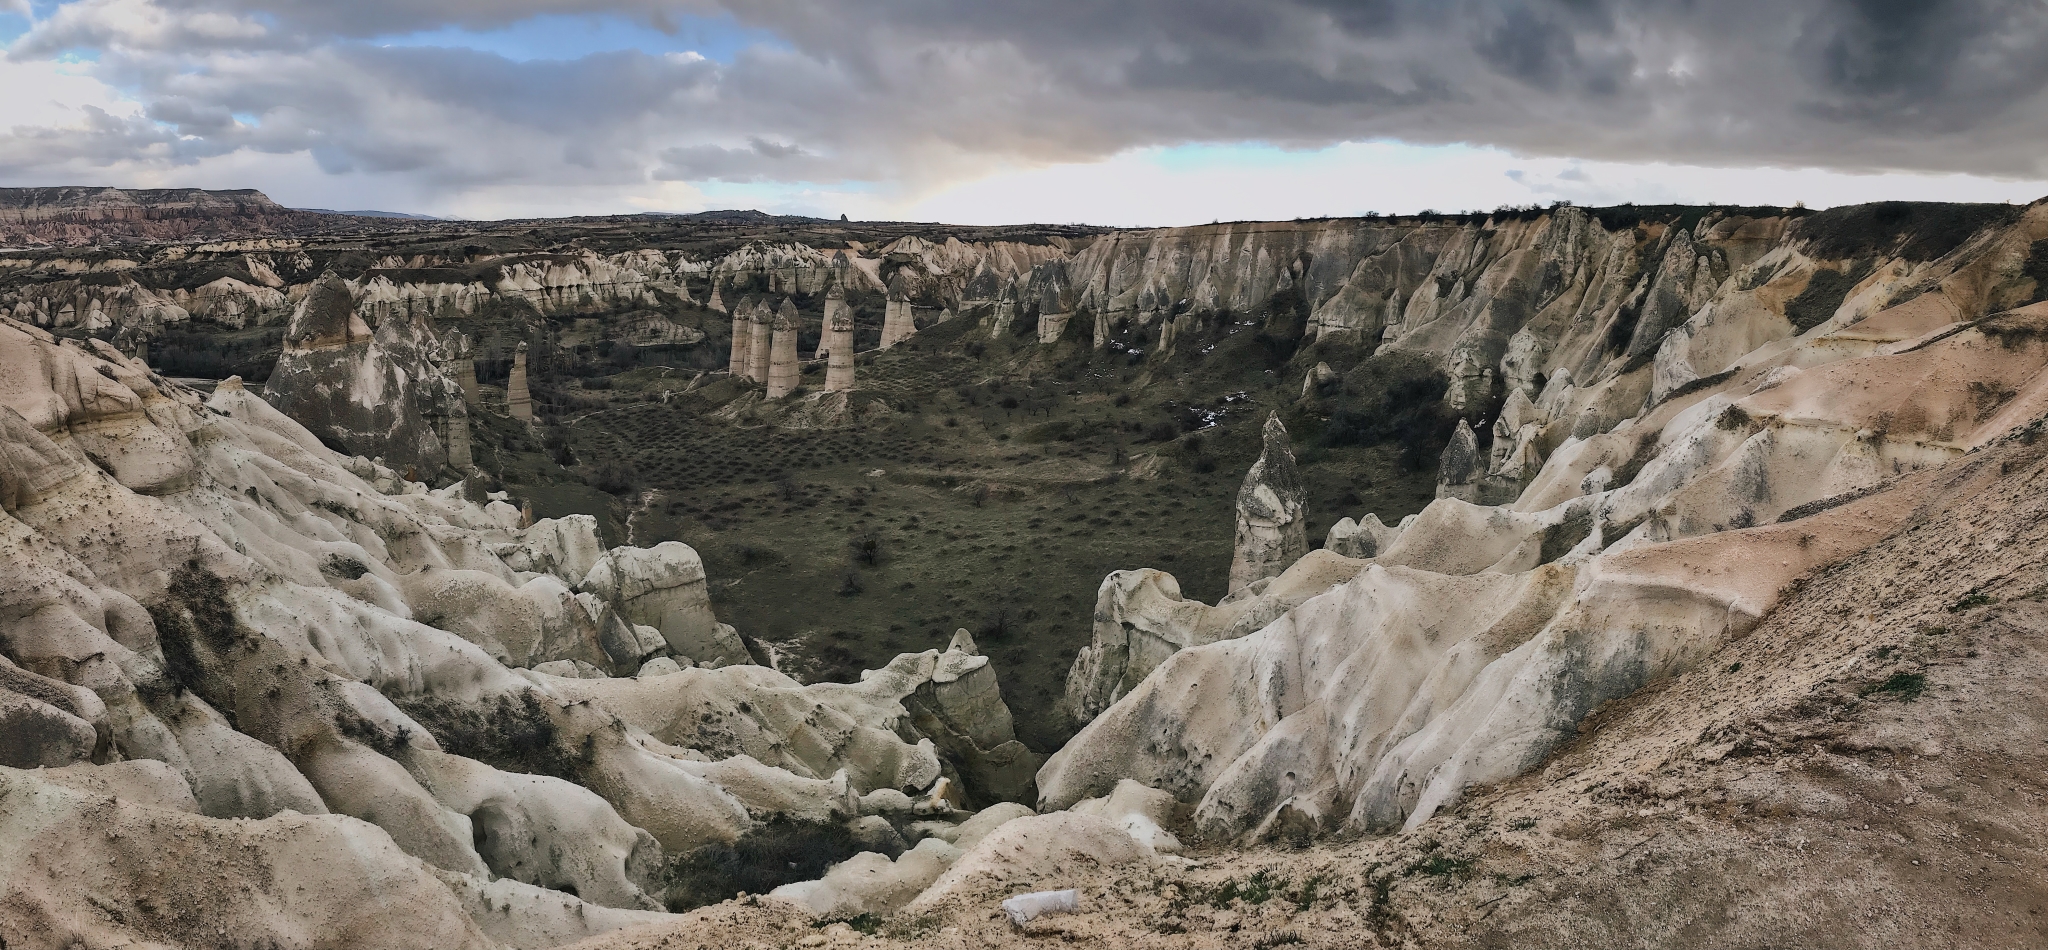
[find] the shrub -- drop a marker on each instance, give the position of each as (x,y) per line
(784,851)
(614,477)
(1394,399)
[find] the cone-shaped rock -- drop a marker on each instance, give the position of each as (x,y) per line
(835,305)
(372,394)
(783,372)
(1271,529)
(897,324)
(1463,466)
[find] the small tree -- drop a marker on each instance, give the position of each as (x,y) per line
(866,548)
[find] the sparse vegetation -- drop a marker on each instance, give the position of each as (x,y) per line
(782,851)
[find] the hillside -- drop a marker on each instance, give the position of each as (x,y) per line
(1659,576)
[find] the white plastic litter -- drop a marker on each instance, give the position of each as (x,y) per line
(1025,908)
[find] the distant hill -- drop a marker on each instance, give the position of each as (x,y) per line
(377,214)
(73,215)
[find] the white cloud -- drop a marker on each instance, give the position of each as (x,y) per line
(1197,185)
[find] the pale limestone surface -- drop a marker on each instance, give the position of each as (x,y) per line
(258,616)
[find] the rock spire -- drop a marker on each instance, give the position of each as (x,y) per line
(897,322)
(838,343)
(759,339)
(518,399)
(783,372)
(742,340)
(1271,529)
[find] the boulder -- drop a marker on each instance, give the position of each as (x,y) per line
(664,587)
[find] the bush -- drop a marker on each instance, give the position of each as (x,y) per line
(782,852)
(614,477)
(1394,399)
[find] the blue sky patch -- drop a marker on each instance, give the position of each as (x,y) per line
(563,37)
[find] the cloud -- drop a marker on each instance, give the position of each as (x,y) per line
(911,98)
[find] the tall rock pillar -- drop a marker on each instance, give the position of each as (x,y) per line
(838,344)
(1271,527)
(518,399)
(742,340)
(783,373)
(897,324)
(835,306)
(1462,466)
(463,364)
(758,340)
(716,303)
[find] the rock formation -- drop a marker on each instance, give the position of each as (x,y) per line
(518,399)
(716,304)
(1647,532)
(838,343)
(378,394)
(213,617)
(1462,467)
(835,308)
(760,339)
(783,371)
(1271,526)
(92,215)
(742,340)
(897,322)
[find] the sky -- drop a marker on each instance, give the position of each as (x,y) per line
(1115,112)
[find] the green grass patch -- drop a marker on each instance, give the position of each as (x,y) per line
(1902,686)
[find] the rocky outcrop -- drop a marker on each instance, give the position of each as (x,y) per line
(380,395)
(1610,537)
(518,397)
(77,216)
(1271,525)
(664,587)
(784,373)
(338,659)
(897,324)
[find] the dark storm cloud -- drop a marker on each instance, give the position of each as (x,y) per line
(909,90)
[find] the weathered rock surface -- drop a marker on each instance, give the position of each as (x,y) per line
(377,394)
(1626,536)
(1271,528)
(282,629)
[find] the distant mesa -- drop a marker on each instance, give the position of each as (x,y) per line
(378,214)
